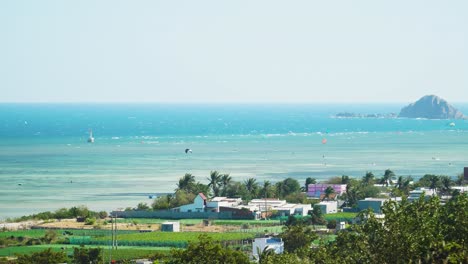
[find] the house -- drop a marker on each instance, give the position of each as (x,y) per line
(265,243)
(217,202)
(317,190)
(170,227)
(415,194)
(198,205)
(374,203)
(263,206)
(328,207)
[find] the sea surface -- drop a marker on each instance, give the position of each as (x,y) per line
(46,162)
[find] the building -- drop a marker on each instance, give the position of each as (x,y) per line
(170,227)
(415,194)
(261,244)
(316,190)
(465,174)
(328,207)
(281,206)
(375,203)
(198,205)
(461,189)
(218,202)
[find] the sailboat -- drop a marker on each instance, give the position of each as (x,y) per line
(90,139)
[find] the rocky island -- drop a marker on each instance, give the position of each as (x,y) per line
(431,107)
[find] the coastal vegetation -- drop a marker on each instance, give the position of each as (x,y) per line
(422,231)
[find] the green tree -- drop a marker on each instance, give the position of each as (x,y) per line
(434,182)
(387,177)
(225,181)
(251,186)
(345,179)
(267,190)
(328,193)
(368,179)
(445,184)
(297,236)
(214,182)
(162,202)
(50,236)
(308,181)
(460,179)
(316,216)
(205,250)
(82,255)
(286,187)
(186,183)
(142,207)
(47,256)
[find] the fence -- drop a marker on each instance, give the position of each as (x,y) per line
(167,214)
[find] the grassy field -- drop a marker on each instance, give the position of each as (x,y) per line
(250,222)
(119,254)
(179,236)
(36,233)
(158,221)
(33,233)
(340,216)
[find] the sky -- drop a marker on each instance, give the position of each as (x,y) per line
(233,51)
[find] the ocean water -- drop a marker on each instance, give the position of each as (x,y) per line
(46,163)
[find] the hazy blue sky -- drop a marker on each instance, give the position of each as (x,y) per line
(233,51)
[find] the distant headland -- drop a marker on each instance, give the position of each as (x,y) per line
(431,107)
(358,115)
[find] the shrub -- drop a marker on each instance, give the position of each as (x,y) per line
(90,221)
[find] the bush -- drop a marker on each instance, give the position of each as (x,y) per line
(331,224)
(90,221)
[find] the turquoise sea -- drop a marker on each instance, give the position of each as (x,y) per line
(46,163)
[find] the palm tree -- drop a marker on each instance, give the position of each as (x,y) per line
(368,179)
(186,183)
(434,182)
(403,184)
(308,181)
(251,186)
(225,180)
(214,181)
(328,192)
(387,177)
(446,182)
(266,189)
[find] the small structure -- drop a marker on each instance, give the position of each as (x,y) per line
(143,261)
(341,226)
(317,190)
(415,194)
(375,203)
(265,243)
(328,207)
(217,202)
(170,227)
(198,205)
(263,206)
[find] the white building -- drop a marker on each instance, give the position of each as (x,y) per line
(328,207)
(261,244)
(281,206)
(414,195)
(170,227)
(198,205)
(218,202)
